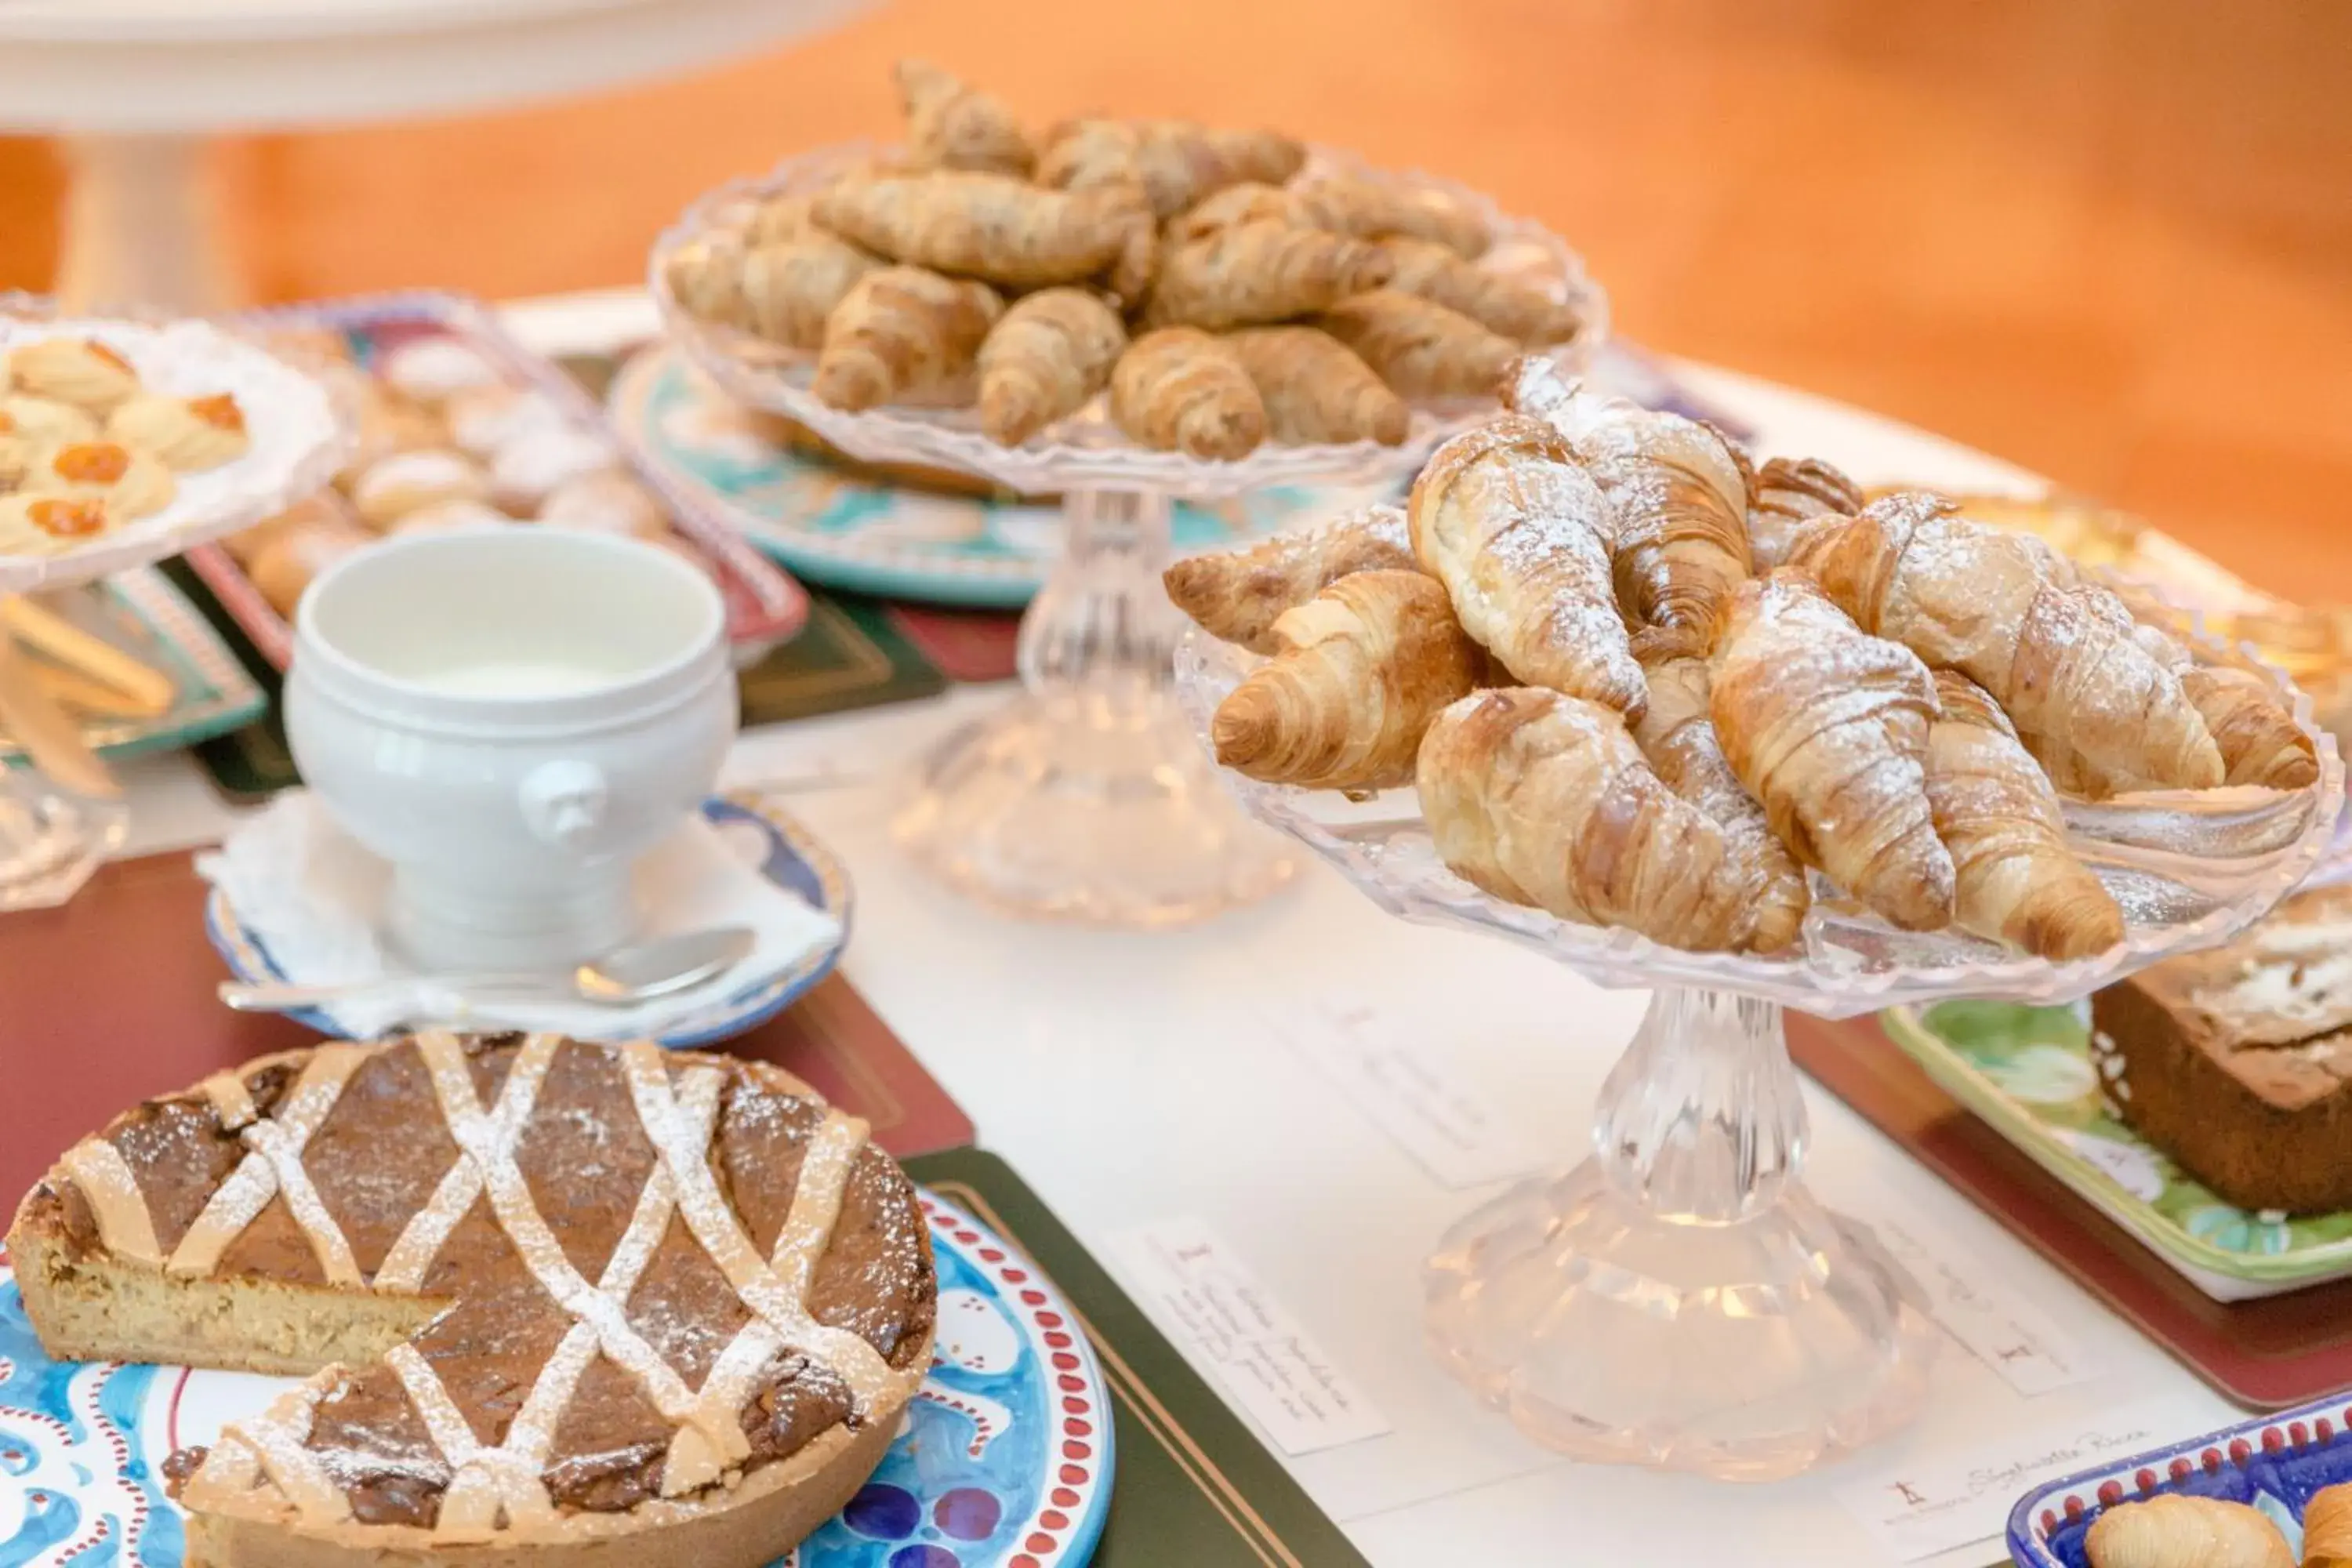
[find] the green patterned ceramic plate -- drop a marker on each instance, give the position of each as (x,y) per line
(2030,1072)
(846,529)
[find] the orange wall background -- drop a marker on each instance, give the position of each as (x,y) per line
(2109,239)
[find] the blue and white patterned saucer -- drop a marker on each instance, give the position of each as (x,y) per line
(1002,1459)
(754,826)
(831,527)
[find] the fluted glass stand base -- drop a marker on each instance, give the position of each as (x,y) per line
(1679,1299)
(1087,798)
(51,842)
(1087,805)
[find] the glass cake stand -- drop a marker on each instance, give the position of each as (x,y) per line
(1679,1299)
(1085,797)
(52,835)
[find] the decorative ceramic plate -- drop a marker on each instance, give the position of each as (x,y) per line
(143,613)
(754,826)
(764,606)
(1002,1459)
(2030,1072)
(845,528)
(2273,1463)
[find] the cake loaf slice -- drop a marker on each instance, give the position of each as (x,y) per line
(2237,1061)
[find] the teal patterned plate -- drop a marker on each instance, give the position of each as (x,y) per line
(2031,1073)
(141,613)
(837,528)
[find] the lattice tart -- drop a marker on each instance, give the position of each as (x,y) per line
(563,1303)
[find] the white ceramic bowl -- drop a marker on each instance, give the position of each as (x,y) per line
(510,717)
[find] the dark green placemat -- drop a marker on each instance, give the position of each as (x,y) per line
(1194,1485)
(852,655)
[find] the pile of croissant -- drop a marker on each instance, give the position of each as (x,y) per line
(1221,300)
(1639,682)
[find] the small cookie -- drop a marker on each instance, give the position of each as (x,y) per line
(80,371)
(483,420)
(461,512)
(392,488)
(386,428)
(529,467)
(132,483)
(50,524)
(189,434)
(608,502)
(431,370)
(286,565)
(45,419)
(317,511)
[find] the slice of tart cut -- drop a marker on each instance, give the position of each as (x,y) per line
(558,1303)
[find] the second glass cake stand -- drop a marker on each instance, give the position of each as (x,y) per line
(1085,797)
(1679,1299)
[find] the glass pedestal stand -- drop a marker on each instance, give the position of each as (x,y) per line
(52,841)
(1679,1299)
(1086,796)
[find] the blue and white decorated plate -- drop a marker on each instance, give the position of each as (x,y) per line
(831,526)
(2273,1464)
(753,825)
(1002,1459)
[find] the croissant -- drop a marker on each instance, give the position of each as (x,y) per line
(1502,304)
(1789,493)
(2176,1531)
(1259,272)
(1178,389)
(1237,595)
(952,125)
(1371,210)
(901,331)
(1827,727)
(1991,604)
(1251,201)
(1174,160)
(1316,390)
(1680,494)
(1421,349)
(781,291)
(1050,352)
(995,226)
(1519,535)
(1544,800)
(1679,739)
(1995,810)
(1362,669)
(2328,1528)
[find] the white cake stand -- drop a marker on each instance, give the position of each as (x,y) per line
(1085,798)
(52,839)
(1679,1299)
(136,87)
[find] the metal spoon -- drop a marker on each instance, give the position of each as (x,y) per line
(638,973)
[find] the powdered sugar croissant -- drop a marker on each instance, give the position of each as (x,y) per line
(1678,736)
(1519,535)
(1236,596)
(1544,799)
(1827,727)
(1991,604)
(1679,492)
(1362,669)
(1998,815)
(1789,492)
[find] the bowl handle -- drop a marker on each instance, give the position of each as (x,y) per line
(564,803)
